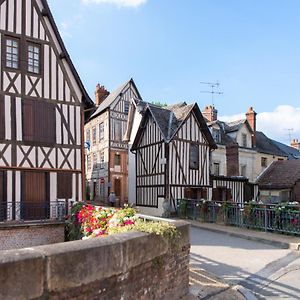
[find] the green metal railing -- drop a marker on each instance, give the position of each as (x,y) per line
(283,218)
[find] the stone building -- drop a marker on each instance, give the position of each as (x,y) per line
(107,154)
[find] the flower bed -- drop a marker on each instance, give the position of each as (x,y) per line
(88,221)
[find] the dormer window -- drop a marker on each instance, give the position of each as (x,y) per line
(12,53)
(216,135)
(34,58)
(244,140)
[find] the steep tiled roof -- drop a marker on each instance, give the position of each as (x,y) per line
(266,145)
(234,125)
(291,152)
(280,175)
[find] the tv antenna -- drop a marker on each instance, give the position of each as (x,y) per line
(213,91)
(290,132)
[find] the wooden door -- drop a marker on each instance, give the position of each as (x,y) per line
(118,188)
(34,196)
(3,204)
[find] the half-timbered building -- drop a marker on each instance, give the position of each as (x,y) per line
(172,149)
(41,113)
(107,156)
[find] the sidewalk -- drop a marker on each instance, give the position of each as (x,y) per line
(277,240)
(206,286)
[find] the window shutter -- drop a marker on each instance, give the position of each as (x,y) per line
(2,118)
(64,185)
(28,120)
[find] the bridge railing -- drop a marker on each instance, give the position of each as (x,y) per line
(283,218)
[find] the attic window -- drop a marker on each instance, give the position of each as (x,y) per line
(216,135)
(264,162)
(194,156)
(126,107)
(244,140)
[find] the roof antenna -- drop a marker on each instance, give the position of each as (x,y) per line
(213,86)
(290,132)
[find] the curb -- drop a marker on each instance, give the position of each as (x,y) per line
(282,245)
(247,294)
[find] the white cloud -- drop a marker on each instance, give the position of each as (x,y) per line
(119,3)
(275,123)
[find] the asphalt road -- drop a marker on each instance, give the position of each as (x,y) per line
(269,272)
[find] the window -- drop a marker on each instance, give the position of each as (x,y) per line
(88,161)
(117,160)
(95,160)
(216,135)
(94,135)
(194,156)
(12,53)
(244,140)
(64,185)
(33,59)
(39,123)
(243,170)
(88,135)
(101,131)
(102,160)
(216,169)
(117,131)
(264,162)
(2,119)
(126,107)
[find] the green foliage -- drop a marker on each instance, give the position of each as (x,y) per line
(164,229)
(73,227)
(160,104)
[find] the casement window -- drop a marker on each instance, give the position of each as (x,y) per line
(264,162)
(39,122)
(88,161)
(94,134)
(117,160)
(101,131)
(194,156)
(126,107)
(118,131)
(216,169)
(216,135)
(33,59)
(12,53)
(244,140)
(88,135)
(2,119)
(244,170)
(64,185)
(102,160)
(95,159)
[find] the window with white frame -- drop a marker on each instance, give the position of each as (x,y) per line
(102,160)
(12,53)
(33,58)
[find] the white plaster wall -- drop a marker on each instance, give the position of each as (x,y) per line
(152,211)
(219,156)
(247,157)
(239,138)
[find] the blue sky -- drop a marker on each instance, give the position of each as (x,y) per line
(169,46)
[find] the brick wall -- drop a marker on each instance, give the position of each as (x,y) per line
(132,265)
(16,236)
(232,160)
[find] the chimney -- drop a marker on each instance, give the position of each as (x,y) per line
(251,118)
(210,113)
(100,94)
(295,144)
(232,159)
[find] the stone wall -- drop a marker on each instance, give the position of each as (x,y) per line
(16,236)
(132,265)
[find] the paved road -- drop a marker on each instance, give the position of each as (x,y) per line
(269,272)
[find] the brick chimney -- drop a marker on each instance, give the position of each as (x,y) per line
(232,159)
(210,113)
(100,94)
(295,144)
(251,118)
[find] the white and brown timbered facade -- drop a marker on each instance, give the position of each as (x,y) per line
(107,158)
(172,148)
(41,110)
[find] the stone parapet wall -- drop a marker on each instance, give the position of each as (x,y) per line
(132,265)
(21,235)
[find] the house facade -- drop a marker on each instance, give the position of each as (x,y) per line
(172,148)
(107,156)
(242,150)
(42,102)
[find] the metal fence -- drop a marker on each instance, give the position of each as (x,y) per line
(283,218)
(22,211)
